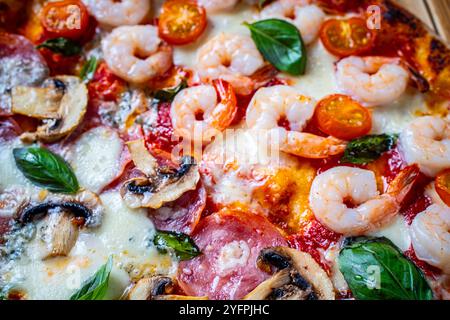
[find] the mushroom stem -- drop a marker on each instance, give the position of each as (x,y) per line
(60,234)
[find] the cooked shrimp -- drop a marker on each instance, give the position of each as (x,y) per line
(333,191)
(277,104)
(118,13)
(426,141)
(306,17)
(213,6)
(136,53)
(233,58)
(372,80)
(201,101)
(430,236)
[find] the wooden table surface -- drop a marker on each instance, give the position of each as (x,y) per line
(435,13)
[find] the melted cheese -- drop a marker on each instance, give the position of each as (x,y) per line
(397,232)
(95,158)
(125,234)
(10,175)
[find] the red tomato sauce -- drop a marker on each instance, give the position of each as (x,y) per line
(316,236)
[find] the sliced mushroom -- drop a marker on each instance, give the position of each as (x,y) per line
(61,103)
(149,288)
(62,215)
(297,277)
(161,184)
(157,288)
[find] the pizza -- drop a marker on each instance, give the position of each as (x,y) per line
(193,150)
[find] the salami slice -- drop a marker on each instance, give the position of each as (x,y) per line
(20,64)
(183,214)
(230,242)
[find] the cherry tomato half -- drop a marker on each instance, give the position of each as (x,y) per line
(442,184)
(68,19)
(341,117)
(347,37)
(181,21)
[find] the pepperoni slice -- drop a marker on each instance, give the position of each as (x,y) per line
(230,241)
(183,214)
(20,65)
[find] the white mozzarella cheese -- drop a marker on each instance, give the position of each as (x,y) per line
(96,158)
(10,175)
(397,232)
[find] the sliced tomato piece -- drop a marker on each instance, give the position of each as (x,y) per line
(342,117)
(230,241)
(340,6)
(442,183)
(347,37)
(181,215)
(181,21)
(68,19)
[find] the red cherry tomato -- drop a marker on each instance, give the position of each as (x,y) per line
(68,19)
(181,21)
(442,184)
(342,117)
(347,37)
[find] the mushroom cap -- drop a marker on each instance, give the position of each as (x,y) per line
(166,185)
(298,276)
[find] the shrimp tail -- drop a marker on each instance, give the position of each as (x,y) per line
(400,187)
(311,146)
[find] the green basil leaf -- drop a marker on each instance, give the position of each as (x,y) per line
(181,244)
(375,269)
(369,148)
(96,286)
(167,95)
(89,68)
(46,169)
(280,43)
(63,46)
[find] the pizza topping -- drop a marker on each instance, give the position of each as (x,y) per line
(425,141)
(46,169)
(373,81)
(233,58)
(199,113)
(176,242)
(20,65)
(272,106)
(348,37)
(68,18)
(397,277)
(60,102)
(95,287)
(151,287)
(230,241)
(343,118)
(368,148)
(297,277)
(442,183)
(183,214)
(136,53)
(281,44)
(430,236)
(63,46)
(63,215)
(346,199)
(162,184)
(181,22)
(119,13)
